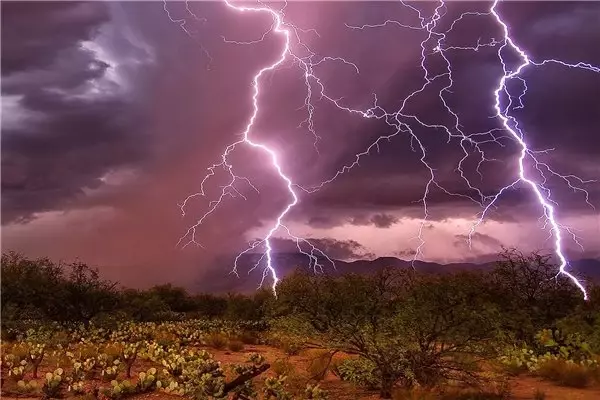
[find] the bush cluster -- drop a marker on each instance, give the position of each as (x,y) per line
(39,289)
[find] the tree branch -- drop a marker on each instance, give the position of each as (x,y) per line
(240,380)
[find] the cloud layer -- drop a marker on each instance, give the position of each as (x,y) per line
(112,113)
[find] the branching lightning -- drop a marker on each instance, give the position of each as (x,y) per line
(295,51)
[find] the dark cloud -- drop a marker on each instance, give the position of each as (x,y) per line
(352,217)
(42,172)
(71,122)
(405,254)
(35,35)
(478,238)
(336,249)
(379,220)
(322,221)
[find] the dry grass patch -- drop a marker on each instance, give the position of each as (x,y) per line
(283,366)
(217,340)
(235,345)
(319,363)
(568,373)
(248,337)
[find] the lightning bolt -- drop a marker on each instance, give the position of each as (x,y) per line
(512,126)
(286,31)
(400,122)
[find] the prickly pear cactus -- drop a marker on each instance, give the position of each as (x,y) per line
(147,380)
(110,372)
(17,372)
(315,393)
(171,387)
(52,383)
(118,389)
(27,387)
(174,364)
(76,387)
(275,388)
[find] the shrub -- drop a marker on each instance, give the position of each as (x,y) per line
(283,366)
(493,390)
(109,320)
(113,351)
(529,293)
(359,371)
(248,337)
(165,338)
(290,346)
(235,345)
(216,340)
(550,347)
(60,338)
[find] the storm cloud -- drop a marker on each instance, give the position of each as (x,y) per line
(113,111)
(68,121)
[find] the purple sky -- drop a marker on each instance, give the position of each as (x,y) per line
(111,114)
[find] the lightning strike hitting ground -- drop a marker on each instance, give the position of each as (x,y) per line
(400,122)
(538,189)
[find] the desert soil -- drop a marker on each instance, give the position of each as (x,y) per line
(522,387)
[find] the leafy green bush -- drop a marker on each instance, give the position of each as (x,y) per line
(359,371)
(569,347)
(585,320)
(550,350)
(285,338)
(530,294)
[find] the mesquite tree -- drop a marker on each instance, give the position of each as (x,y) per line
(414,329)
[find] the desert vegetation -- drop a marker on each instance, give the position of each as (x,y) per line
(391,334)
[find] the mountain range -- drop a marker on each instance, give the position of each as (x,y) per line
(289,262)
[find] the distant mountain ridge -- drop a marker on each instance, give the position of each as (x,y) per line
(286,263)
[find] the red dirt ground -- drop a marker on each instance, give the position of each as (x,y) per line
(522,387)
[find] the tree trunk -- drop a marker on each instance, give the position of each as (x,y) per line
(387,383)
(129,363)
(36,365)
